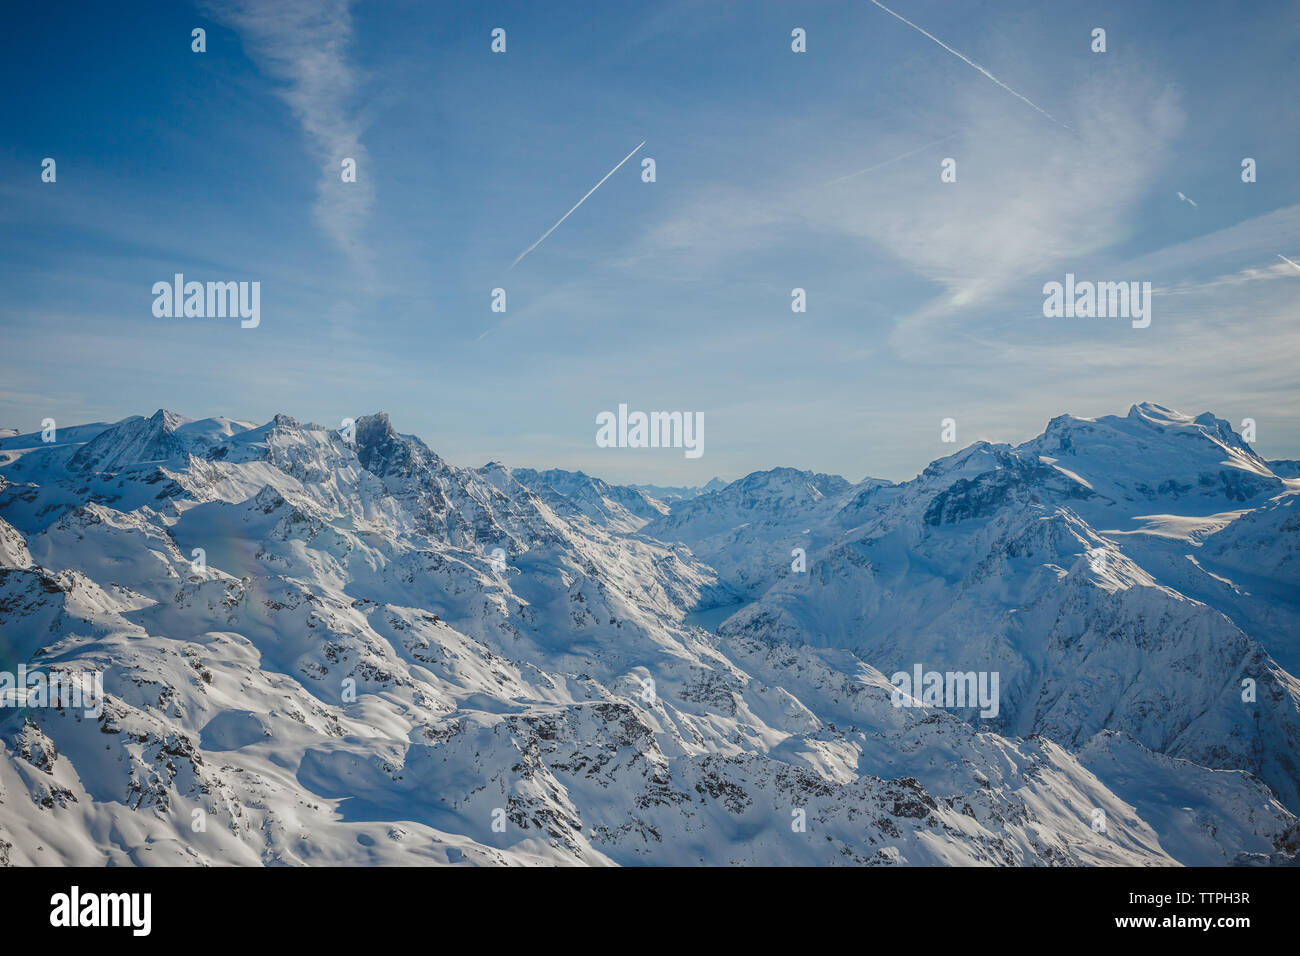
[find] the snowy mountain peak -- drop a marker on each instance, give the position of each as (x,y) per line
(169,420)
(381,652)
(786,482)
(1157,414)
(975,458)
(574,492)
(671,493)
(378,421)
(132,441)
(383,451)
(1153,455)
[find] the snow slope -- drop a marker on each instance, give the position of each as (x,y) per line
(352,674)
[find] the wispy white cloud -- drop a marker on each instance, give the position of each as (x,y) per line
(1230,338)
(1023,203)
(302,44)
(1241,277)
(1028,200)
(1244,247)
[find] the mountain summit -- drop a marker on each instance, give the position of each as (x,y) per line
(342,649)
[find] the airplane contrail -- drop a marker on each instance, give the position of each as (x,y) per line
(1186,200)
(575,206)
(1285,259)
(894,160)
(971,62)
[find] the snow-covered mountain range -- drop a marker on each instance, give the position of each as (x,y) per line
(323,649)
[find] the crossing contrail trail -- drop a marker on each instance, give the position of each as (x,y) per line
(575,206)
(971,62)
(894,160)
(1285,259)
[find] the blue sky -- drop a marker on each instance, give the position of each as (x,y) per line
(924,298)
